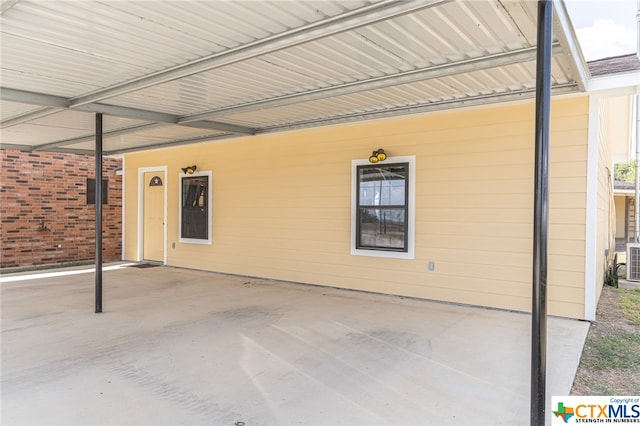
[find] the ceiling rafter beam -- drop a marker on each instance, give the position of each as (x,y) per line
(33,98)
(127,112)
(422,74)
(224,127)
(73,151)
(392,112)
(49,104)
(144,127)
(423,108)
(175,142)
(52,104)
(6,5)
(29,148)
(16,147)
(368,15)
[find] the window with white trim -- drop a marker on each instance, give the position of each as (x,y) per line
(383,198)
(195,208)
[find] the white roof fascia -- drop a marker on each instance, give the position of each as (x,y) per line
(627,83)
(624,192)
(568,40)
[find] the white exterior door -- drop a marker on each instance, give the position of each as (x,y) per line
(153,216)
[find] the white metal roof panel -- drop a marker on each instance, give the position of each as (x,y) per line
(62,125)
(10,109)
(153,137)
(471,84)
(380,49)
(96,44)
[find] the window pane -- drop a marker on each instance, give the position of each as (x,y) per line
(382,228)
(382,185)
(195,215)
(384,219)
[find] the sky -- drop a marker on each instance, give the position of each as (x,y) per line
(604,28)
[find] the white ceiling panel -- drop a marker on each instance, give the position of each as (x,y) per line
(469,85)
(156,137)
(32,134)
(10,109)
(81,121)
(144,138)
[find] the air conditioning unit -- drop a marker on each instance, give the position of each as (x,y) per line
(633,262)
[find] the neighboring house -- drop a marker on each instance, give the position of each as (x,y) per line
(246,142)
(622,124)
(624,198)
(47,215)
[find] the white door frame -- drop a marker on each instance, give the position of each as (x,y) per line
(141,186)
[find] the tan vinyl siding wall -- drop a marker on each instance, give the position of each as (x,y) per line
(605,193)
(567,215)
(281,206)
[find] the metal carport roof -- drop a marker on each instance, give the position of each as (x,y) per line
(168,72)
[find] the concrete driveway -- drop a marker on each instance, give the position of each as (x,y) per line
(183,347)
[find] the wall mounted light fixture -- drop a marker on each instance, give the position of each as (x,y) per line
(189,169)
(378,155)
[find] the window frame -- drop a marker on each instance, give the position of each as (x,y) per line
(410,210)
(208,240)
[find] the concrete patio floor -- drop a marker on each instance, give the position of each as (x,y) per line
(183,347)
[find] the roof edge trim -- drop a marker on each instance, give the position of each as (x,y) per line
(569,41)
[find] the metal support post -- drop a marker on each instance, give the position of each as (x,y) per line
(541,213)
(98,200)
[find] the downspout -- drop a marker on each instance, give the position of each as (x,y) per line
(636,217)
(637,195)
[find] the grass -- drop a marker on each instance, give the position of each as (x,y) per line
(630,306)
(610,363)
(618,351)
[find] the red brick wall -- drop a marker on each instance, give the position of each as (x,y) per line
(44,216)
